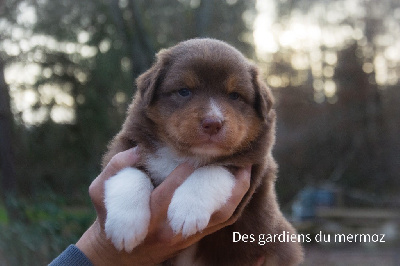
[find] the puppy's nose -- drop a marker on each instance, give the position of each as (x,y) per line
(211,126)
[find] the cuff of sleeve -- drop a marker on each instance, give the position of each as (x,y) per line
(71,256)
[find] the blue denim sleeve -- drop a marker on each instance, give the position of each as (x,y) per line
(71,256)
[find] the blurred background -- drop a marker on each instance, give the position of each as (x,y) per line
(67,71)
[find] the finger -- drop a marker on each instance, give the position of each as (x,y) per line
(118,162)
(121,160)
(242,185)
(260,261)
(162,195)
(159,201)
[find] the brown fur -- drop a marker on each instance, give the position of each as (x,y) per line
(157,115)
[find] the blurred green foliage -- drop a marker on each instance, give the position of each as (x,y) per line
(47,226)
(3,215)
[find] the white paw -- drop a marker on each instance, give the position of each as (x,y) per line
(127,201)
(187,217)
(193,203)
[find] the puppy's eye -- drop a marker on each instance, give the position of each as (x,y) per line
(184,92)
(234,95)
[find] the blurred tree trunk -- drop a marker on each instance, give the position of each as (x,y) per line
(135,36)
(203,18)
(142,37)
(6,151)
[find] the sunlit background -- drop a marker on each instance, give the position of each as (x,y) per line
(333,65)
(308,37)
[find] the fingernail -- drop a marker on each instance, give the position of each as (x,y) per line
(135,149)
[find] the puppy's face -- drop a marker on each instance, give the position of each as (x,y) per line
(205,99)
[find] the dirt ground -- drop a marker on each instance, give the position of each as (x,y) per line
(352,255)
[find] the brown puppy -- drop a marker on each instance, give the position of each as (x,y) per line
(202,101)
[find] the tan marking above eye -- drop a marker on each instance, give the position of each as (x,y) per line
(236,85)
(190,79)
(231,83)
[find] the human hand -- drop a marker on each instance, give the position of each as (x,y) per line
(161,243)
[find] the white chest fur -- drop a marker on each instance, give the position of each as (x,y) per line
(162,163)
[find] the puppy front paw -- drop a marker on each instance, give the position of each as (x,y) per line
(128,231)
(187,217)
(127,201)
(193,203)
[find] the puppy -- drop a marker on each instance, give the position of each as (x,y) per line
(202,101)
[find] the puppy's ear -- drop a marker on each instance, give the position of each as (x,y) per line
(264,99)
(148,82)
